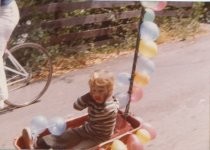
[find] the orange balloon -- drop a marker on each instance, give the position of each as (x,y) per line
(148,48)
(141,79)
(133,143)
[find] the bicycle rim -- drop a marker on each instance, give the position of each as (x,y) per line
(28,84)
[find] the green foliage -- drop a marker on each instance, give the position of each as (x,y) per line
(178,27)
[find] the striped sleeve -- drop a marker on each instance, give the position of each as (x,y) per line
(80,104)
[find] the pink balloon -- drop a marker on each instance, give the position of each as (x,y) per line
(137,94)
(155,5)
(133,143)
(150,129)
(160,6)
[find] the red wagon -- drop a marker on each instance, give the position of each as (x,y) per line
(123,128)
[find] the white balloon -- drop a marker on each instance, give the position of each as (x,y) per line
(123,99)
(38,124)
(149,31)
(56,126)
(149,4)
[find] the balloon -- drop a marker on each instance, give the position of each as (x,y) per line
(118,145)
(141,79)
(137,94)
(150,129)
(148,48)
(133,143)
(123,79)
(122,98)
(155,5)
(143,135)
(160,6)
(149,4)
(145,65)
(57,126)
(38,124)
(149,15)
(149,31)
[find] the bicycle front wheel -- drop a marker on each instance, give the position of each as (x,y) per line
(28,70)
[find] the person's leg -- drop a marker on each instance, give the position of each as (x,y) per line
(3,83)
(27,138)
(64,141)
(41,144)
(9,17)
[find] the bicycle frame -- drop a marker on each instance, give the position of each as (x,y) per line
(17,69)
(21,76)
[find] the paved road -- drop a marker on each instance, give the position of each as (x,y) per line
(176,101)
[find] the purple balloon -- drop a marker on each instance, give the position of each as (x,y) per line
(123,79)
(145,65)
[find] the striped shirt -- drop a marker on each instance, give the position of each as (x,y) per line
(102,116)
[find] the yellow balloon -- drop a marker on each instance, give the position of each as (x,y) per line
(141,79)
(143,135)
(148,48)
(118,145)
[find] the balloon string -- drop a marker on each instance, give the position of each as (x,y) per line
(134,63)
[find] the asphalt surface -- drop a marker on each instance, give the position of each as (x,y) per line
(175,102)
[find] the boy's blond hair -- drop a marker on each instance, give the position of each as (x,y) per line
(102,78)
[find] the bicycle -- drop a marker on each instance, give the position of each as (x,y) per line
(28,70)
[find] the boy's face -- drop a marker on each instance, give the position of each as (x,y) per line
(99,94)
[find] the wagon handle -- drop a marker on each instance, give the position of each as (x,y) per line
(134,62)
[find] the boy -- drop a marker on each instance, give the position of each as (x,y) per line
(102,113)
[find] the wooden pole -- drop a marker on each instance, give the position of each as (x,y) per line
(135,58)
